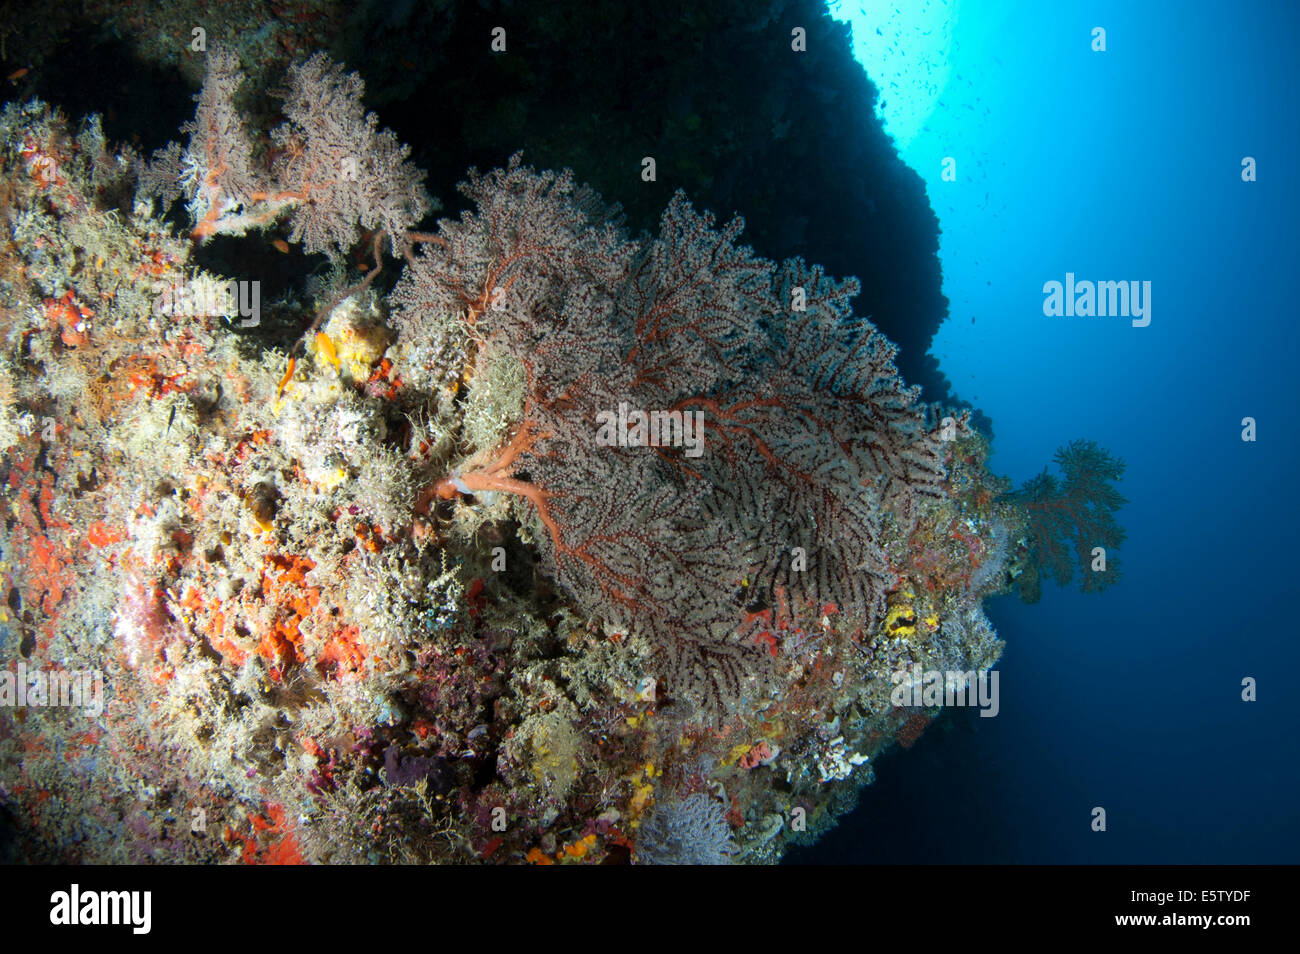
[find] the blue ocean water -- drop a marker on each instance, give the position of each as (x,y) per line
(1121,165)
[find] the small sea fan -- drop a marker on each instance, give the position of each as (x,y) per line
(990,575)
(1068,518)
(693,831)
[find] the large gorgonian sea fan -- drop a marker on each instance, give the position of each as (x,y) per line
(810,435)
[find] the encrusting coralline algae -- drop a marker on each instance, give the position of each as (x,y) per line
(379,593)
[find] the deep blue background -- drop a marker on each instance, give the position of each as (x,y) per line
(1123,165)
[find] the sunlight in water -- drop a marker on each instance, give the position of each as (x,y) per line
(905,50)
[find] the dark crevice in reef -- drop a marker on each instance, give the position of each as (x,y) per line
(141,103)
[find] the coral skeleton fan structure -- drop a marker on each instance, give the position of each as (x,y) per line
(331,170)
(810,439)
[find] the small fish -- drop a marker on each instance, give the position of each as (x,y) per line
(18,74)
(288,375)
(326,347)
(281,246)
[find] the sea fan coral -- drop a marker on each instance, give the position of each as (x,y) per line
(690,831)
(1069,518)
(351,174)
(808,435)
(333,169)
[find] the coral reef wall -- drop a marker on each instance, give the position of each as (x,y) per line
(524,538)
